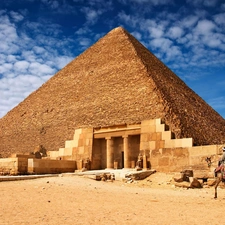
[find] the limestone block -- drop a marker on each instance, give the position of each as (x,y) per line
(166,135)
(89,135)
(87,150)
(153,136)
(81,150)
(68,151)
(30,165)
(81,136)
(158,136)
(160,127)
(144,145)
(145,129)
(154,162)
(155,153)
(195,151)
(158,121)
(87,130)
(209,149)
(157,144)
(80,142)
(73,143)
(164,161)
(169,143)
(74,150)
(180,152)
(152,128)
(152,145)
(53,154)
(177,143)
(68,144)
(186,142)
(145,122)
(194,160)
(178,163)
(89,142)
(145,137)
(161,144)
(154,121)
(167,152)
(77,134)
(61,152)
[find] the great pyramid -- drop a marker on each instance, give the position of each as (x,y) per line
(115,81)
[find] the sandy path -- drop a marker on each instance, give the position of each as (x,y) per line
(78,200)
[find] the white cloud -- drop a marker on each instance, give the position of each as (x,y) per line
(155,32)
(11,58)
(8,33)
(161,43)
(39,50)
(40,69)
(127,19)
(82,31)
(173,53)
(17,17)
(212,41)
(205,26)
(199,3)
(210,3)
(175,32)
(21,66)
(84,42)
(189,21)
(5,67)
(92,15)
(220,18)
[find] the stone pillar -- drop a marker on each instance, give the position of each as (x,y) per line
(109,153)
(126,152)
(145,166)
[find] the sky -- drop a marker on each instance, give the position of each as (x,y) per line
(39,37)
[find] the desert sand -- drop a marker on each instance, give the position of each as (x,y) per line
(79,200)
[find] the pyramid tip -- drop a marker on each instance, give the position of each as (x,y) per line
(118,29)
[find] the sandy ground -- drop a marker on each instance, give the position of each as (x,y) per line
(78,200)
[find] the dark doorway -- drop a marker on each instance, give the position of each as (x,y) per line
(122,158)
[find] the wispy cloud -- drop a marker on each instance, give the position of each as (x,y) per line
(25,61)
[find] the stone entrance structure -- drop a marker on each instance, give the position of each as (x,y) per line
(118,147)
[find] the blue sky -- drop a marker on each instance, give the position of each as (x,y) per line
(39,37)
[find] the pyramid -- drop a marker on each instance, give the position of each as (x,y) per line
(115,81)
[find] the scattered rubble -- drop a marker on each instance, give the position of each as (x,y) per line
(132,176)
(187,180)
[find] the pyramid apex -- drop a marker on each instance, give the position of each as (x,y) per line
(117,29)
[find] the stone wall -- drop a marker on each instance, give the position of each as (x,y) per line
(47,166)
(79,148)
(179,159)
(13,166)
